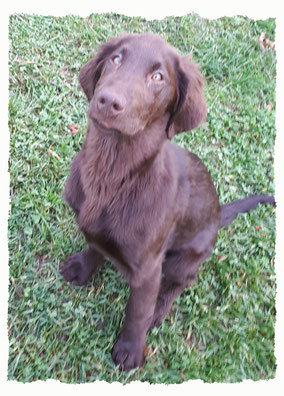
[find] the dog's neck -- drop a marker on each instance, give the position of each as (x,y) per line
(113,162)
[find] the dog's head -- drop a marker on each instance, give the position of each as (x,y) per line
(136,79)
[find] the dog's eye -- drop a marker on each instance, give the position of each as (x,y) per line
(157,76)
(116,59)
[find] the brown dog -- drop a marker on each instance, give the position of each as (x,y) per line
(139,199)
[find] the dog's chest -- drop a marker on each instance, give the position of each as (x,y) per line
(114,234)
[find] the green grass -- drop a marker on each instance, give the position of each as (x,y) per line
(222,329)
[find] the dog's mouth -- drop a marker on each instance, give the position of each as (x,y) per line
(104,126)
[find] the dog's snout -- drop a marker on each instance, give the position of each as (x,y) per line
(110,104)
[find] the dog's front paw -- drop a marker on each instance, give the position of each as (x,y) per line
(74,270)
(128,354)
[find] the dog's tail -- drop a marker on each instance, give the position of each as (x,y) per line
(230,210)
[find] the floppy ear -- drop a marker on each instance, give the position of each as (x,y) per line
(90,73)
(190,109)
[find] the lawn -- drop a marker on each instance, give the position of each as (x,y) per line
(222,328)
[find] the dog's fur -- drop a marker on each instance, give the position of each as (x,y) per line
(139,199)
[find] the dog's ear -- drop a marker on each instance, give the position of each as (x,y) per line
(90,73)
(190,108)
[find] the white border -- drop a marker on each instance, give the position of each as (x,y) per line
(149,10)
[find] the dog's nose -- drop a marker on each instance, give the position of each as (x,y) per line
(110,104)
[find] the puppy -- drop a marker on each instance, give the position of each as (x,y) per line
(139,199)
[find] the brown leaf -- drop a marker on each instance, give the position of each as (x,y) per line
(261,40)
(147,347)
(73,128)
(221,258)
(269,43)
(265,41)
(49,151)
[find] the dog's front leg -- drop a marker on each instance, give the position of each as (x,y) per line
(128,352)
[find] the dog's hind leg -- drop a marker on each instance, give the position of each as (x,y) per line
(179,270)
